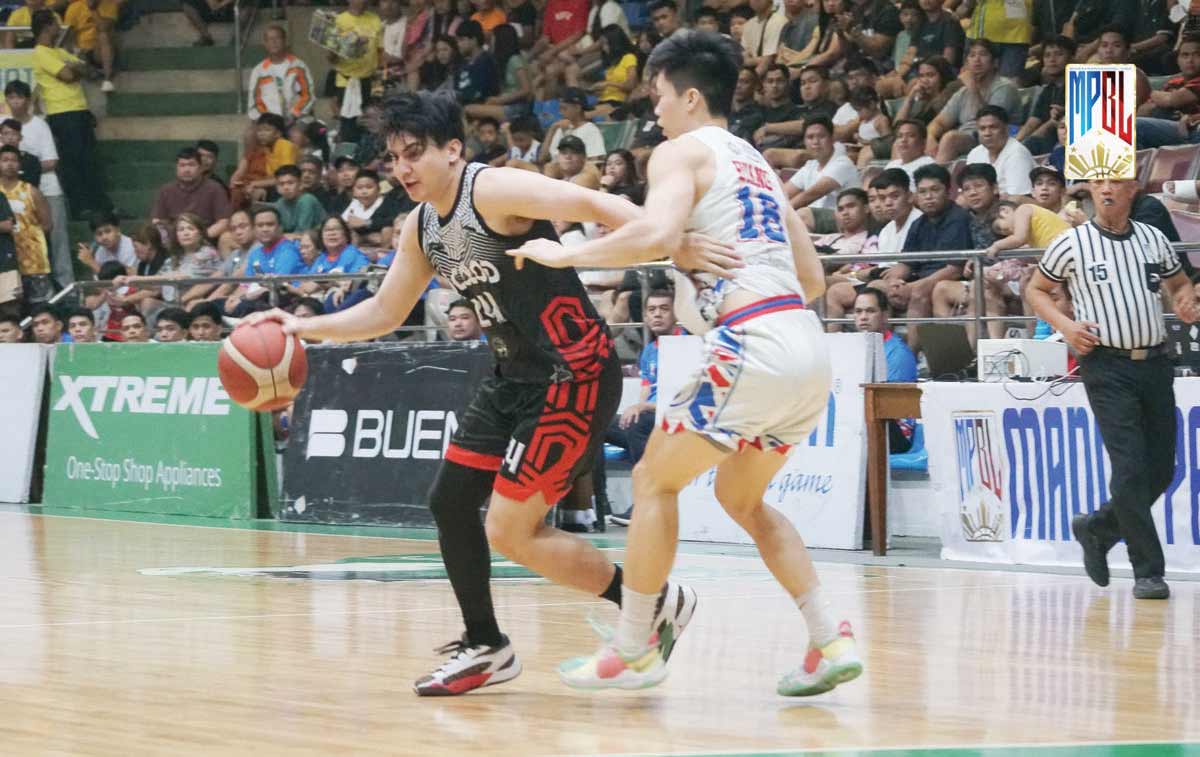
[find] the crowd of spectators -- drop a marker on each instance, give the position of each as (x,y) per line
(918,125)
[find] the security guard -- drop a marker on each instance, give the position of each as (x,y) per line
(1115,269)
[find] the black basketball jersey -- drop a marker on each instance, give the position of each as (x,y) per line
(539,321)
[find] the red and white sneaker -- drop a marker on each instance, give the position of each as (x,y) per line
(469,667)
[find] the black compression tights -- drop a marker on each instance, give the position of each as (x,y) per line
(457,495)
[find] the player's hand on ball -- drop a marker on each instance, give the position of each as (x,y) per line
(701,252)
(544,251)
(290,323)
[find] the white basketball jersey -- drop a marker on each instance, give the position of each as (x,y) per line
(744,207)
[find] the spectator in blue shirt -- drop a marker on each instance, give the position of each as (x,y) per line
(478,78)
(273,254)
(871,312)
(943,225)
(338,256)
(632,428)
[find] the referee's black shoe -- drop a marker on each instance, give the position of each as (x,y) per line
(1095,557)
(1151,587)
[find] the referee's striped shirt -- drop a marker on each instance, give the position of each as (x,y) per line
(1115,280)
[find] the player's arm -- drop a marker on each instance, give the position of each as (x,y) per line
(406,279)
(808,266)
(655,234)
(524,194)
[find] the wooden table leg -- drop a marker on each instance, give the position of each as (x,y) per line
(877,466)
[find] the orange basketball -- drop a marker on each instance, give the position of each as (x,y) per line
(262,368)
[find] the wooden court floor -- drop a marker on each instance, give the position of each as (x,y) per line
(112,646)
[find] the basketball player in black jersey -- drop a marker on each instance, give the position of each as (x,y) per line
(536,425)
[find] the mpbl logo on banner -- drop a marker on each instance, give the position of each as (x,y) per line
(980,476)
(1101,122)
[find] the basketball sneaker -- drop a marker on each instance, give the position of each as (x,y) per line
(824,667)
(676,605)
(469,667)
(610,669)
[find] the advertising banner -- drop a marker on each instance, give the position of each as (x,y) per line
(1011,464)
(822,486)
(16,65)
(149,428)
(371,426)
(23,376)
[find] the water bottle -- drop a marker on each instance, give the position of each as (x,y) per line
(1042,330)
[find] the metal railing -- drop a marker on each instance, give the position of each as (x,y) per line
(274,283)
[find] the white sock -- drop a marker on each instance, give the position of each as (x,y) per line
(636,622)
(822,628)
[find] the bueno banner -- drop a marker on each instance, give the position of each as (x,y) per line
(1012,464)
(371,426)
(23,376)
(822,486)
(149,428)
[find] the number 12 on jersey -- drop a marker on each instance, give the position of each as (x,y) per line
(760,216)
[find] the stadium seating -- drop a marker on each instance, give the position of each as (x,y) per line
(1170,163)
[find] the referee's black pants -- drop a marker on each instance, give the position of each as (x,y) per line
(1134,405)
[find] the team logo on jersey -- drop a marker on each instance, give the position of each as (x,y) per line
(1101,122)
(980,476)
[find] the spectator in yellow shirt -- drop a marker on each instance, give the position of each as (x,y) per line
(355,76)
(23,16)
(57,74)
(94,23)
(254,179)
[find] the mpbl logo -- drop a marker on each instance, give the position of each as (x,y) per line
(1101,122)
(980,476)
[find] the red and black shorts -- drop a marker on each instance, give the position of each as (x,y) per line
(537,437)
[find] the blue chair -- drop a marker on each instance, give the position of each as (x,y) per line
(917,457)
(615,454)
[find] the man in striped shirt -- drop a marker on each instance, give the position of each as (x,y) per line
(1115,270)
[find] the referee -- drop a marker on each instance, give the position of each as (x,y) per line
(1115,269)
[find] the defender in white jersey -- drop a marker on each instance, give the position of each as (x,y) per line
(764,381)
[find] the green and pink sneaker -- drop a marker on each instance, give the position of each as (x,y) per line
(824,667)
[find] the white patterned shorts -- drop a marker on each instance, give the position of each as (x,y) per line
(764,381)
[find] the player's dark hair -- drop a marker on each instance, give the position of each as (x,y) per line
(703,61)
(892,177)
(425,116)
